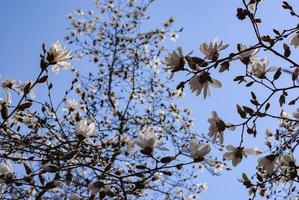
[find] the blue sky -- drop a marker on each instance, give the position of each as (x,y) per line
(25,25)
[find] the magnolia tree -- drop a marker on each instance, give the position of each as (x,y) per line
(276,175)
(117,133)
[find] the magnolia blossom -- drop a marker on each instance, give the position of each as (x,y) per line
(95,187)
(202,186)
(259,67)
(7,98)
(288,166)
(201,82)
(148,140)
(5,171)
(218,167)
(174,36)
(155,63)
(129,144)
(249,54)
(284,116)
(287,160)
(59,57)
(83,129)
(175,61)
(130,147)
(296,116)
(8,84)
(75,197)
(89,27)
(71,104)
(294,41)
(267,163)
(236,154)
(191,197)
(217,127)
(198,150)
(21,87)
(211,50)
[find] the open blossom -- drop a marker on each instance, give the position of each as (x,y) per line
(259,67)
(198,150)
(202,186)
(148,140)
(8,84)
(236,154)
(247,54)
(130,147)
(287,160)
(22,86)
(284,116)
(83,129)
(296,116)
(59,57)
(295,40)
(175,61)
(174,36)
(201,82)
(95,187)
(5,171)
(71,105)
(211,50)
(217,127)
(268,163)
(288,166)
(89,27)
(75,197)
(130,144)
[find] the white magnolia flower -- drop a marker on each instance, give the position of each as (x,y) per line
(75,197)
(7,98)
(148,140)
(294,41)
(174,36)
(155,63)
(202,186)
(59,57)
(211,50)
(236,154)
(83,129)
(175,61)
(217,127)
(259,67)
(267,163)
(5,171)
(95,187)
(198,150)
(218,167)
(287,160)
(21,87)
(8,84)
(79,12)
(288,167)
(71,104)
(89,27)
(296,116)
(191,197)
(284,122)
(247,54)
(201,82)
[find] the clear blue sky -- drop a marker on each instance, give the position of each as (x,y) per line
(26,24)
